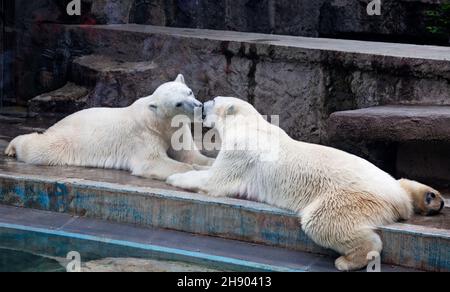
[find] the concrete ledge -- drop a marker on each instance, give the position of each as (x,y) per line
(58,243)
(361,54)
(392,124)
(55,234)
(229,218)
(413,246)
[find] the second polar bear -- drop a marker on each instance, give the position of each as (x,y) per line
(339,197)
(136,138)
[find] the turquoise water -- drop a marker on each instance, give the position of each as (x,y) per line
(19,261)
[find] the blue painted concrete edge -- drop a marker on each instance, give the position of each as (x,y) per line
(239,220)
(182,255)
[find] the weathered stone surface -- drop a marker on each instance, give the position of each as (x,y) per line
(400,20)
(114,82)
(66,100)
(407,141)
(294,92)
(428,162)
(301,79)
(111,11)
(149,12)
(403,20)
(392,123)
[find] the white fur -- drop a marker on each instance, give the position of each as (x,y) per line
(136,138)
(341,198)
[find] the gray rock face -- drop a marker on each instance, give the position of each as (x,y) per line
(303,80)
(392,124)
(66,100)
(424,161)
(302,88)
(111,11)
(400,20)
(114,83)
(150,11)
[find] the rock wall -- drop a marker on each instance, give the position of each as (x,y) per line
(301,85)
(7,53)
(400,20)
(36,59)
(2,49)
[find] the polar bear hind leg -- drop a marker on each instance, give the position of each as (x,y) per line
(17,146)
(10,150)
(346,223)
(34,149)
(158,168)
(356,257)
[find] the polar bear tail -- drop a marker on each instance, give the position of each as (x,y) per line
(10,150)
(26,148)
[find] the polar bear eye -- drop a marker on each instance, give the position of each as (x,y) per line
(179,104)
(190,93)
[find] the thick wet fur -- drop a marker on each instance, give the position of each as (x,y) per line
(340,198)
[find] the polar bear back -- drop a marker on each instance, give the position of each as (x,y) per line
(307,171)
(97,137)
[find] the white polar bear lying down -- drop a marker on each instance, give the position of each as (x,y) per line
(340,198)
(136,138)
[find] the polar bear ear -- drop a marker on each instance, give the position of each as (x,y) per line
(180,79)
(231,110)
(153,106)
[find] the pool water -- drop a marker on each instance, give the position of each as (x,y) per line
(19,261)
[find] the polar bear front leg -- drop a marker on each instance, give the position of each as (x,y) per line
(195,181)
(160,169)
(192,157)
(191,154)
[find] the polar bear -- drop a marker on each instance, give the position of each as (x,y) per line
(136,138)
(339,197)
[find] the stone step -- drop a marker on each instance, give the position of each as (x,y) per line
(418,136)
(68,233)
(66,100)
(118,197)
(280,75)
(114,82)
(392,123)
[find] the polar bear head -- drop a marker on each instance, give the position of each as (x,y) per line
(216,111)
(173,99)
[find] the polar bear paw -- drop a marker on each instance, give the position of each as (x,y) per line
(180,180)
(344,265)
